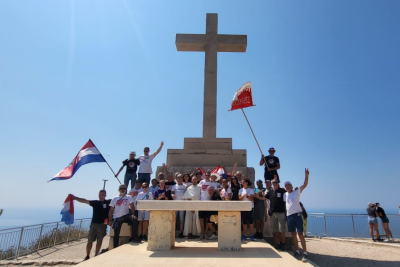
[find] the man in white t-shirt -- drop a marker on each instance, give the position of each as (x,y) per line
(204,195)
(177,192)
(145,169)
(143,215)
(119,213)
(293,213)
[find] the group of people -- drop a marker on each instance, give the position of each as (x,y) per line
(374,212)
(272,203)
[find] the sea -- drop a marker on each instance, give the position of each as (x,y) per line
(18,217)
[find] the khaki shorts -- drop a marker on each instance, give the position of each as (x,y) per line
(278,222)
(97,232)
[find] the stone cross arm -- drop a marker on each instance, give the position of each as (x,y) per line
(225,42)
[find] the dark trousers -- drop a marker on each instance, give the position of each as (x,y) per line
(117,224)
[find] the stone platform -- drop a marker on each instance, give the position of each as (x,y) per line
(195,253)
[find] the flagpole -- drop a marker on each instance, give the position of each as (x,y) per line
(255,139)
(107,163)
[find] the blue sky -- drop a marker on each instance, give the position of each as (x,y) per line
(325,78)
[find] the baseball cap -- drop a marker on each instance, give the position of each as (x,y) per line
(132,152)
(287,182)
(271,149)
(259,181)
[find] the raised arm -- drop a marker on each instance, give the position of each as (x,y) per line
(307,173)
(120,169)
(234,169)
(159,149)
(262,161)
(82,200)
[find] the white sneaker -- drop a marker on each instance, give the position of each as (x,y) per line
(386,240)
(213,237)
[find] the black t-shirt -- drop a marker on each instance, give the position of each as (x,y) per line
(235,191)
(272,163)
(380,210)
(276,200)
(169,185)
(131,165)
(216,196)
(100,210)
(371,212)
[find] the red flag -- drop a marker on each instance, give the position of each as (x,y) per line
(243,97)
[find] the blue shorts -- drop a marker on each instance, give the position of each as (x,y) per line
(295,222)
(385,219)
(372,220)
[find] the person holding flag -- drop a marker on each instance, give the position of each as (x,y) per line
(272,165)
(98,226)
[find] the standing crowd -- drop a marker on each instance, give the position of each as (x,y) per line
(280,207)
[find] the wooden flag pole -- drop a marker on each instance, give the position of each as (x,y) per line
(255,139)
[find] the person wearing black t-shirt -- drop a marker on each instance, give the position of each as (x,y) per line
(385,223)
(277,210)
(131,168)
(98,226)
(272,166)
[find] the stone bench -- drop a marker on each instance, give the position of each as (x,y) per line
(161,233)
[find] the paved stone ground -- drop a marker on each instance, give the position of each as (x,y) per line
(361,252)
(324,252)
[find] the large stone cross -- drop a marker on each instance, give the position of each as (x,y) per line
(211,43)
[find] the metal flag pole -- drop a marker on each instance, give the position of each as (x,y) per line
(104,186)
(107,163)
(255,139)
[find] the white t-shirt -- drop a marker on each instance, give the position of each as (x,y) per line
(179,191)
(121,205)
(145,163)
(144,196)
(204,193)
(249,192)
(225,193)
(134,197)
(187,184)
(292,202)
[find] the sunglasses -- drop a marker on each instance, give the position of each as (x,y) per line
(275,182)
(122,188)
(144,186)
(207,175)
(146,151)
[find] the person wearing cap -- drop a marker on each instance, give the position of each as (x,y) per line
(145,169)
(131,167)
(294,215)
(373,221)
(276,213)
(259,209)
(272,166)
(385,223)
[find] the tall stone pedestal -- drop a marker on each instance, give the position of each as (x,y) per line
(161,230)
(207,153)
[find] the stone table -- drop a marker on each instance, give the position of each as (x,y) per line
(161,233)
